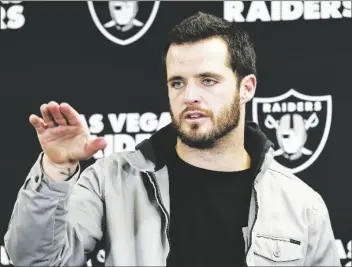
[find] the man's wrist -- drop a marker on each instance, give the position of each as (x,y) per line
(58,172)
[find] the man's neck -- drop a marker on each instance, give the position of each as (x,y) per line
(228,155)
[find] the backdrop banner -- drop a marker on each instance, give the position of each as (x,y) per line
(107,63)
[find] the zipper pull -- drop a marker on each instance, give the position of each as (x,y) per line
(295,242)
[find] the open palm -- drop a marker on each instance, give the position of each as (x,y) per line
(63,136)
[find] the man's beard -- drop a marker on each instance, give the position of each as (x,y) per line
(227,120)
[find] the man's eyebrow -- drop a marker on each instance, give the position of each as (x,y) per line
(199,75)
(174,78)
(209,74)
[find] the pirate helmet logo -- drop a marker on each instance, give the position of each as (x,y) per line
(300,125)
(123,22)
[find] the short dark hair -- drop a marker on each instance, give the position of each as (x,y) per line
(202,26)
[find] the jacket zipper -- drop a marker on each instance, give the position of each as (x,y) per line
(286,239)
(161,205)
(255,220)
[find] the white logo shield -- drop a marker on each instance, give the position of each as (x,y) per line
(123,22)
(298,124)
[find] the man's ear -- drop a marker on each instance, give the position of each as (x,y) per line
(247,88)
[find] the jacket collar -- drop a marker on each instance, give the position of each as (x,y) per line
(160,144)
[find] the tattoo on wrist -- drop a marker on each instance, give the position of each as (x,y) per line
(68,172)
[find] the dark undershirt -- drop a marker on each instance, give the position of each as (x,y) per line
(208,211)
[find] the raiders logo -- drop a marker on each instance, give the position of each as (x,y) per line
(299,125)
(123,22)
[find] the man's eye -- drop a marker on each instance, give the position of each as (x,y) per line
(177,85)
(209,82)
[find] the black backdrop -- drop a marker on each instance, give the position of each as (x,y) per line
(55,51)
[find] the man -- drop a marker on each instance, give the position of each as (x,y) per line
(204,191)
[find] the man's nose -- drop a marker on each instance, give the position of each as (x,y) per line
(191,95)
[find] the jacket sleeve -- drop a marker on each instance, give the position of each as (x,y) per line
(56,223)
(322,249)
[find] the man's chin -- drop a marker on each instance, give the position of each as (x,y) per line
(196,138)
(195,134)
(197,131)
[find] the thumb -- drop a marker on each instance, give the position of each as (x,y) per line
(96,144)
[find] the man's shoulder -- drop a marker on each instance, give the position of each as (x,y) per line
(115,159)
(123,163)
(108,170)
(294,190)
(301,192)
(289,182)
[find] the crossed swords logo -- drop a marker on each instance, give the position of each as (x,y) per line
(311,122)
(121,6)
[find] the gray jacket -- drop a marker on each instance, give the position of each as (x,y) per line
(125,198)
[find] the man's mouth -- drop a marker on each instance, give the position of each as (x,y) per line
(195,115)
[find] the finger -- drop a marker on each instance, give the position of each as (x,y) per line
(38,123)
(47,117)
(54,109)
(70,114)
(95,145)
